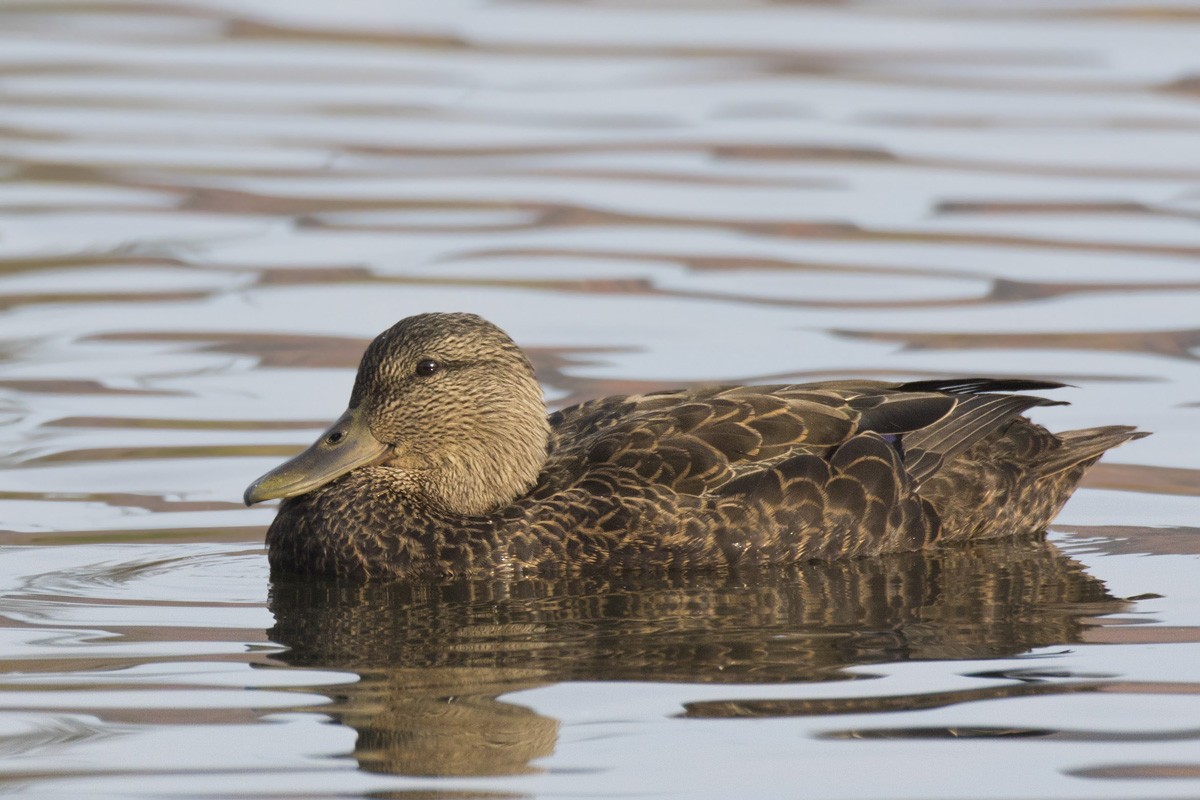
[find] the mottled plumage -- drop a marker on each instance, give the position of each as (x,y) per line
(446,464)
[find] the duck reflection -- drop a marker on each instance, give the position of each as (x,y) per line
(435,658)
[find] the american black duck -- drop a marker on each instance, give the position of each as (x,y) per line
(446,464)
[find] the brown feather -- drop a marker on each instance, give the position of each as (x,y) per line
(720,477)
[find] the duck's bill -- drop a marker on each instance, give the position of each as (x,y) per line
(348,444)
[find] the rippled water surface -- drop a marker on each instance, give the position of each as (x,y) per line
(207,209)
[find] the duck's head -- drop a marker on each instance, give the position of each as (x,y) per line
(447,400)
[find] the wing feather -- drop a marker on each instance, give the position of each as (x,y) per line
(974,418)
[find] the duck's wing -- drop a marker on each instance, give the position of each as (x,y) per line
(695,441)
(757,474)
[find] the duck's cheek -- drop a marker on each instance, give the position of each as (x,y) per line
(403,458)
(347,445)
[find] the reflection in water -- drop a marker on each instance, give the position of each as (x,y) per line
(435,658)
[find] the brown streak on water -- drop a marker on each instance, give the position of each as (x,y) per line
(1178,344)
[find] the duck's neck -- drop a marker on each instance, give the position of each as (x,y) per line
(477,474)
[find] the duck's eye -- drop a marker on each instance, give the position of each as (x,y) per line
(427,367)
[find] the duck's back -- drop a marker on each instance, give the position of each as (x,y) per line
(775,474)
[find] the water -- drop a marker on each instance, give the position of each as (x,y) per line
(207,210)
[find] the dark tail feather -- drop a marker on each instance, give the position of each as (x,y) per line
(1086,445)
(977,385)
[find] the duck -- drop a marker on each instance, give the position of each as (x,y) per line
(447,465)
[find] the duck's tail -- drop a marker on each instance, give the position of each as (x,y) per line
(1017,480)
(1083,447)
